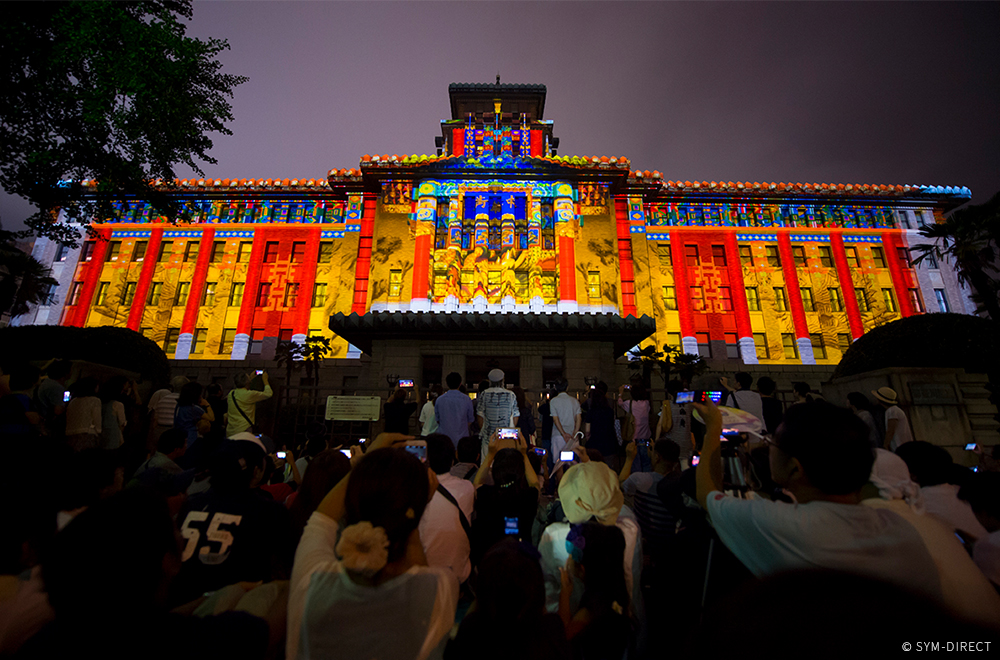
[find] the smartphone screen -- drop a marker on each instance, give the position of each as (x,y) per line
(259,372)
(346,452)
(420,451)
(695,460)
(970,447)
(540,451)
(510,527)
(567,456)
(281,454)
(508,433)
(65,396)
(403,382)
(685,397)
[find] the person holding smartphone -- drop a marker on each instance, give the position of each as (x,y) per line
(242,402)
(507,508)
(399,409)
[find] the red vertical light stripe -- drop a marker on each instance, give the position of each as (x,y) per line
(198,281)
(737,290)
(681,287)
(457,141)
(421,266)
(792,286)
(254,268)
(890,243)
(90,274)
(846,284)
(537,142)
(566,256)
(306,272)
(145,278)
(626,266)
(364,260)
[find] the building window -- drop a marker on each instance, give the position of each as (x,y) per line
(61,252)
(698,298)
(226,344)
(102,292)
(114,247)
(746,255)
(548,289)
(256,342)
(87,253)
(166,249)
(819,349)
(170,340)
(270,252)
(298,252)
(674,339)
(719,255)
(725,298)
(208,295)
(843,342)
(760,343)
(218,249)
(183,289)
(825,257)
(889,300)
(862,297)
(198,341)
(291,294)
(154,293)
(139,251)
(670,298)
(285,335)
(521,277)
(663,253)
(808,304)
(263,293)
(691,255)
(753,299)
(878,255)
(836,300)
(236,294)
(395,283)
(790,347)
(931,261)
(128,293)
(319,295)
(704,348)
(915,301)
(799,256)
(190,251)
(773,258)
(243,254)
(732,346)
(325,252)
(904,257)
(594,285)
(780,299)
(852,257)
(942,301)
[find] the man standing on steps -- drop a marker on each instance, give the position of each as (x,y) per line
(242,402)
(495,408)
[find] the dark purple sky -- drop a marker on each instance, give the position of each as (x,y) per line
(847,92)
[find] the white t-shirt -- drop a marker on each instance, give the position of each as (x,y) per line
(903,434)
(566,408)
(942,502)
(772,537)
(329,616)
(427,419)
(747,400)
(445,542)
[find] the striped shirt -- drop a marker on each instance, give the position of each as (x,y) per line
(655,521)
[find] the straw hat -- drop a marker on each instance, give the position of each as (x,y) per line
(886,395)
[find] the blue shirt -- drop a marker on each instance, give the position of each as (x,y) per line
(454,412)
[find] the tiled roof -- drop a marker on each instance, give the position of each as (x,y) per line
(244,184)
(579,162)
(491,87)
(832,189)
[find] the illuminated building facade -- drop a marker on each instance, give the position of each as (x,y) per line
(497,225)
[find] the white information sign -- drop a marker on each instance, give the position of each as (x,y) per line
(353,407)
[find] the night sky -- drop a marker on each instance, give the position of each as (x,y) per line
(845,92)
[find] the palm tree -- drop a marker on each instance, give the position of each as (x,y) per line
(970,236)
(24,282)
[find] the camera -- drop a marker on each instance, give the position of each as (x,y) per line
(281,454)
(510,526)
(699,396)
(418,448)
(539,450)
(507,433)
(567,456)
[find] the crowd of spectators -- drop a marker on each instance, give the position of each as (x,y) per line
(606,528)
